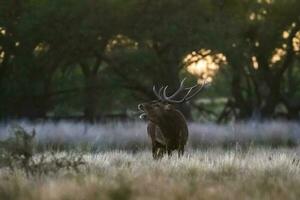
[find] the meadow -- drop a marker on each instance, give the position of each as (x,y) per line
(234,161)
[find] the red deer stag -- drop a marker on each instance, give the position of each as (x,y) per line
(167,126)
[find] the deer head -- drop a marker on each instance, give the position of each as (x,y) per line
(158,109)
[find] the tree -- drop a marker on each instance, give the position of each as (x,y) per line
(252,35)
(103,56)
(164,33)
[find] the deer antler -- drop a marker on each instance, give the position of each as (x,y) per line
(181,88)
(158,94)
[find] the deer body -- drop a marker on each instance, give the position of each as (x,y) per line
(169,133)
(167,126)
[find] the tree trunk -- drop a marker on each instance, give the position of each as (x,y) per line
(90,93)
(90,97)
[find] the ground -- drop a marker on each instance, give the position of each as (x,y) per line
(254,173)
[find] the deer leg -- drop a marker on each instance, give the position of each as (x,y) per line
(160,153)
(154,151)
(158,150)
(163,150)
(169,152)
(180,151)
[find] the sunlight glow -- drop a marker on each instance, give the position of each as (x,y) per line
(252,16)
(265,1)
(2,54)
(296,42)
(278,54)
(41,48)
(204,64)
(2,31)
(285,34)
(121,41)
(254,62)
(257,16)
(284,46)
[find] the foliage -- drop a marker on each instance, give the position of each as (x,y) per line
(99,58)
(17,153)
(17,149)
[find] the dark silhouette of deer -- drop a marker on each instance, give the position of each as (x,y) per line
(167,126)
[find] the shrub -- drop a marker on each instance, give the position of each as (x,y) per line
(17,152)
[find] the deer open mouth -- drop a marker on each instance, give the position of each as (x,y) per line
(143,114)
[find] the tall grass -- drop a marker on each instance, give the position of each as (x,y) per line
(207,174)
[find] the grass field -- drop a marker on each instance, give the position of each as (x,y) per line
(77,161)
(258,173)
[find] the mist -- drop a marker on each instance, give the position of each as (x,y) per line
(133,135)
